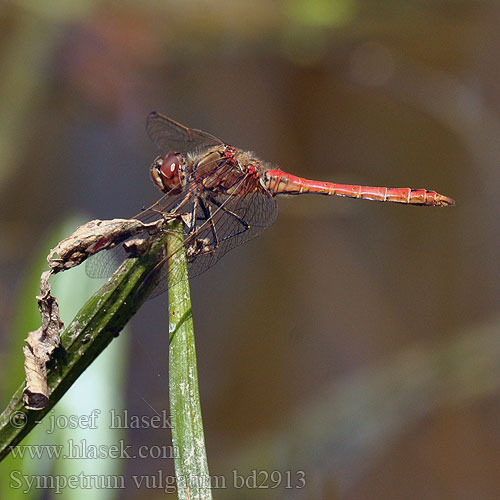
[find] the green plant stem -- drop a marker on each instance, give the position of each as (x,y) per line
(93,328)
(191,466)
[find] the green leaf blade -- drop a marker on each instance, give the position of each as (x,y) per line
(191,466)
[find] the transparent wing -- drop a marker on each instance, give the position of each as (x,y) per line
(235,220)
(227,222)
(103,264)
(172,137)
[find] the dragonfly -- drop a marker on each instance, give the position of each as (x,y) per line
(226,196)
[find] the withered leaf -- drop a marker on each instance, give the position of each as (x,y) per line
(87,240)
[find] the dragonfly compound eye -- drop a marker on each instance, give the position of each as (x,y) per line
(166,173)
(170,166)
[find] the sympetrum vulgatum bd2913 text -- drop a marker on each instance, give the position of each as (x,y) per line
(226,196)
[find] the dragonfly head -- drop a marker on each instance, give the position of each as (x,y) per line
(168,172)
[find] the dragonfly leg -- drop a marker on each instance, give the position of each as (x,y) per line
(242,221)
(194,215)
(173,212)
(207,212)
(181,203)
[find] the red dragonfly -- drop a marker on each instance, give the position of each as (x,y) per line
(227,196)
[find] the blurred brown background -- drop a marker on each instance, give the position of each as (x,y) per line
(355,341)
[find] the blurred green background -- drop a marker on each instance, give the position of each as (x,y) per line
(357,342)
